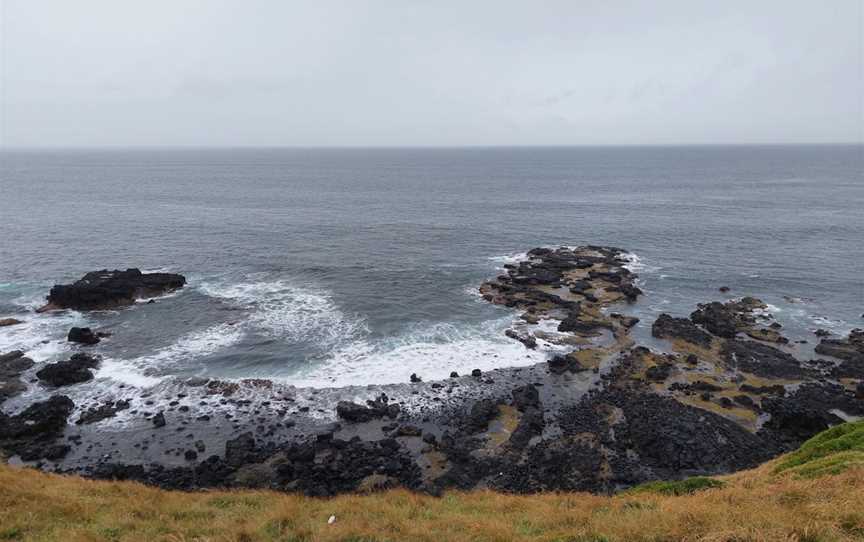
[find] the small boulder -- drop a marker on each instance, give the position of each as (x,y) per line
(82,335)
(4,322)
(158,420)
(73,371)
(527,339)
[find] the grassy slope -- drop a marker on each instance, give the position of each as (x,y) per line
(814,494)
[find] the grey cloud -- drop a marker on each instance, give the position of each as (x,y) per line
(395,72)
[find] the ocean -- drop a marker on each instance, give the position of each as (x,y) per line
(333,267)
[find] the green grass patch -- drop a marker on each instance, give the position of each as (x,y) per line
(829,452)
(677,487)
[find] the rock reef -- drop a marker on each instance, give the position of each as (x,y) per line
(726,391)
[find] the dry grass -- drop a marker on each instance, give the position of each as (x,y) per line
(760,505)
(756,505)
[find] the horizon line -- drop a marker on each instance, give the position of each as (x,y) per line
(416,147)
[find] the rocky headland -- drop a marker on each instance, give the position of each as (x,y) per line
(727,391)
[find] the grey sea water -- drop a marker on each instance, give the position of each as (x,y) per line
(354,266)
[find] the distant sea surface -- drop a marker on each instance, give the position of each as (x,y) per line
(334,267)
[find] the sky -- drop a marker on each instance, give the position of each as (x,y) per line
(443,73)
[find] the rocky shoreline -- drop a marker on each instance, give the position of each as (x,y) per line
(727,392)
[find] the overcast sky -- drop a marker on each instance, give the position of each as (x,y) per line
(368,73)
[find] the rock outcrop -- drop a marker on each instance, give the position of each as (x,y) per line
(100,290)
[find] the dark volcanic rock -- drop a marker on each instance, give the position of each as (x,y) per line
(659,437)
(850,349)
(528,340)
(72,371)
(717,318)
(110,289)
(560,364)
(573,323)
(97,414)
(667,327)
(659,373)
(530,425)
(158,420)
(762,360)
(727,319)
(353,412)
(12,364)
(32,432)
(630,291)
(325,468)
(525,397)
(378,408)
(83,335)
(481,413)
(798,416)
(241,450)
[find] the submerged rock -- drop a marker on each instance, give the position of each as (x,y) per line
(99,290)
(4,322)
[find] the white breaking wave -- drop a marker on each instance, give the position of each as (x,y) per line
(513,258)
(635,264)
(432,352)
(139,371)
(287,312)
(829,323)
(41,336)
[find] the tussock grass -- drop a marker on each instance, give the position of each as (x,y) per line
(770,503)
(677,487)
